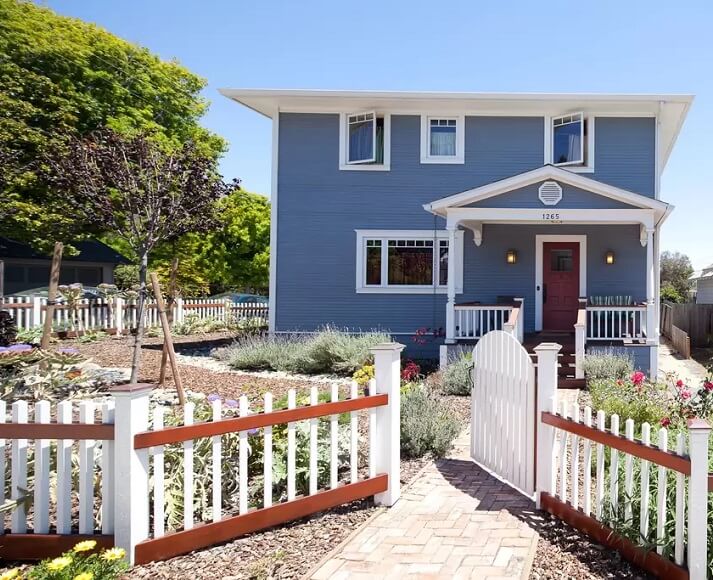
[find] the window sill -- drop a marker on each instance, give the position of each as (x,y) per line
(404,290)
(443,160)
(576,168)
(364,167)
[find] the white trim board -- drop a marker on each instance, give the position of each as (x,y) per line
(540,240)
(272,298)
(436,235)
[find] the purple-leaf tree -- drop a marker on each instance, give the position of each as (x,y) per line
(141,191)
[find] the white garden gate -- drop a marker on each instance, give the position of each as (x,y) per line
(503,410)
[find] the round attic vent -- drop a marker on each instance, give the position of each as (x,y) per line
(550,193)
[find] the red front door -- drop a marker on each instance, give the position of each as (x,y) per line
(560,291)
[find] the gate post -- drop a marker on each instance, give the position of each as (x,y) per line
(387,375)
(698,433)
(131,502)
(546,401)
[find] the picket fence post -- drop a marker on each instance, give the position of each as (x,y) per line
(119,315)
(36,312)
(546,401)
(387,374)
(698,433)
(131,503)
(178,317)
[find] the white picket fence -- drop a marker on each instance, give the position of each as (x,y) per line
(591,475)
(100,314)
(124,450)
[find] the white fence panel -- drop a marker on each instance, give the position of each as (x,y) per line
(503,409)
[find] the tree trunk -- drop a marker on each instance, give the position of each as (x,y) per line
(140,306)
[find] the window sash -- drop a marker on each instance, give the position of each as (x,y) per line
(390,248)
(361,138)
(575,146)
(442,137)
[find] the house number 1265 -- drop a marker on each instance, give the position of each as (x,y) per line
(550,216)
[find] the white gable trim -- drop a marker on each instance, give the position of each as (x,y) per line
(541,174)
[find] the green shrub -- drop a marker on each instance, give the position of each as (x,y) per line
(427,426)
(644,402)
(456,378)
(327,351)
(31,336)
(608,364)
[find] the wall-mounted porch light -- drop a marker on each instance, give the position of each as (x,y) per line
(511,257)
(609,258)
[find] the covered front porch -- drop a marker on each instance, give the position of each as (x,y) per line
(589,274)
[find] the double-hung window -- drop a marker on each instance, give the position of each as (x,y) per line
(406,261)
(364,141)
(571,142)
(442,139)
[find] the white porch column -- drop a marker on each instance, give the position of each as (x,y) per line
(451,306)
(651,310)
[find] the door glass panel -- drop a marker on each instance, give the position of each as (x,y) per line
(561,261)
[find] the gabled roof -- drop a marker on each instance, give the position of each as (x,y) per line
(546,172)
(670,109)
(89,251)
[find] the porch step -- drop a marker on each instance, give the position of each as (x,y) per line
(571,383)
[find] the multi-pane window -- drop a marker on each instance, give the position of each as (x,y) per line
(442,137)
(568,139)
(405,262)
(365,138)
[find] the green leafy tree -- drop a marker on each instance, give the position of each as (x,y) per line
(61,78)
(676,269)
(145,194)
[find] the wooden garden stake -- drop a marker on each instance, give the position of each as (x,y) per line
(167,340)
(51,295)
(171,302)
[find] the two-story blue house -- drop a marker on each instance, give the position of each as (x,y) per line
(464,212)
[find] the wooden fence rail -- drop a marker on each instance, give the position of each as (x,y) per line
(696,320)
(681,341)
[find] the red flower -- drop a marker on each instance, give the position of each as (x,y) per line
(410,371)
(679,383)
(665,422)
(708,386)
(685,394)
(638,377)
(619,382)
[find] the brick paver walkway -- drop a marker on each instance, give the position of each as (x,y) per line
(454,521)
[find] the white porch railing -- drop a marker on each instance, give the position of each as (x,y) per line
(616,322)
(473,321)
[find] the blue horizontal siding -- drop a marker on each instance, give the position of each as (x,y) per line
(319,207)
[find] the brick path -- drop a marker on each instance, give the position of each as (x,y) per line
(454,521)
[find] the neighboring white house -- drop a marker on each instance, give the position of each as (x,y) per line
(703,285)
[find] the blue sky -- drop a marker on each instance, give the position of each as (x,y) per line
(602,46)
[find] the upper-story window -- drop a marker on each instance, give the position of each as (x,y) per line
(364,141)
(571,142)
(442,139)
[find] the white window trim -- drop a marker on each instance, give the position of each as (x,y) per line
(384,235)
(344,135)
(589,165)
(459,157)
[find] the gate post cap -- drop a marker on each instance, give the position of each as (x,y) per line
(387,346)
(548,346)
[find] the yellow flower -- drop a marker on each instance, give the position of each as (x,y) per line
(85,546)
(84,576)
(59,563)
(10,574)
(114,554)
